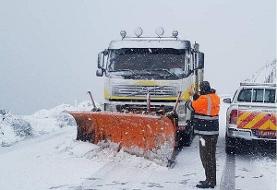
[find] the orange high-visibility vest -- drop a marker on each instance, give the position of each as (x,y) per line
(207,104)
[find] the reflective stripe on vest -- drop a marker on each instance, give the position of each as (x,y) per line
(206,117)
(206,132)
(209,105)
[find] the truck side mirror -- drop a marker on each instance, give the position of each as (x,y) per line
(102,56)
(105,52)
(199,60)
(99,72)
(101,59)
(227,100)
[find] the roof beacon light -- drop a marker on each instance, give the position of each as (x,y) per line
(159,31)
(175,33)
(123,34)
(138,32)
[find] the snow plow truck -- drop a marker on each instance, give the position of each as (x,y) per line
(147,82)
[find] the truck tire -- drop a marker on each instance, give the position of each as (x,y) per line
(230,145)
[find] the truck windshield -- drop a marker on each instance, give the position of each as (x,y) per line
(156,63)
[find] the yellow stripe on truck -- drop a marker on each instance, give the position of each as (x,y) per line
(106,93)
(243,117)
(256,119)
(273,126)
(147,83)
(268,125)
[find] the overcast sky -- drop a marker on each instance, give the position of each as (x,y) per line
(48,48)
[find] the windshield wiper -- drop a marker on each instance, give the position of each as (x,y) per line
(122,70)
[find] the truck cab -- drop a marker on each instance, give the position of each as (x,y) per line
(251,115)
(159,67)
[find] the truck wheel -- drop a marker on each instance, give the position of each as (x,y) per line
(230,145)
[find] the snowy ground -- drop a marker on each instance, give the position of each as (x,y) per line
(52,159)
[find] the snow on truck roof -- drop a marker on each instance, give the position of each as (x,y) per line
(150,43)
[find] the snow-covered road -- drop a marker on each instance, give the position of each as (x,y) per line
(56,161)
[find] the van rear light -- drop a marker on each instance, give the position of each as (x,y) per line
(233,117)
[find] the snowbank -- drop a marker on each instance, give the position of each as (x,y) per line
(13,128)
(17,128)
(44,121)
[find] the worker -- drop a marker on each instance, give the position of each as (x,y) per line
(205,107)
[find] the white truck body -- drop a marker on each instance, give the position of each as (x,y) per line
(159,66)
(123,90)
(251,114)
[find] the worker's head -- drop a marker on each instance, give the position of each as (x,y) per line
(205,87)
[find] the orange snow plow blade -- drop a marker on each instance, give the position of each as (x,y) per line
(149,136)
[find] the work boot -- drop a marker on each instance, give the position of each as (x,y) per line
(205,184)
(201,182)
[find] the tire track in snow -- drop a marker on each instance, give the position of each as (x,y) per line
(228,178)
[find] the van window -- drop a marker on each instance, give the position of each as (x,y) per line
(245,95)
(258,95)
(269,96)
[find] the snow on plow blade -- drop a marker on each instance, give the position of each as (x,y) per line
(152,137)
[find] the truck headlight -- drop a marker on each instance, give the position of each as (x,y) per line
(109,107)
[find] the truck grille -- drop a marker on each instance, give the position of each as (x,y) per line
(141,91)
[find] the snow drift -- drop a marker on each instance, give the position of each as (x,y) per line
(15,128)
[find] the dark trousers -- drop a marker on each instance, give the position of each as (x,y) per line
(207,150)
